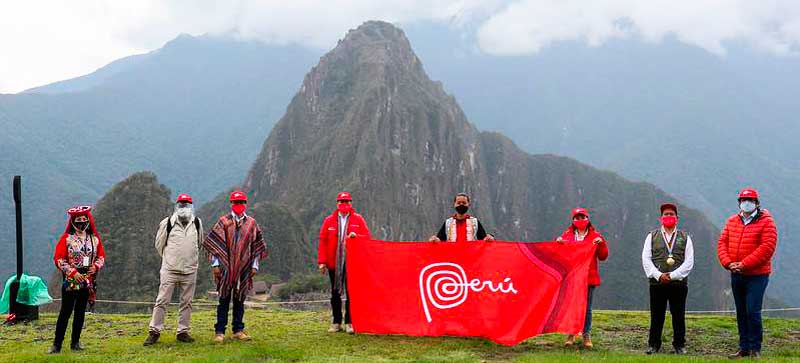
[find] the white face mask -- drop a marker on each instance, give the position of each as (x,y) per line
(747,206)
(185,213)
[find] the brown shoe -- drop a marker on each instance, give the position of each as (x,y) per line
(241,336)
(755,354)
(740,354)
(152,338)
(219,338)
(587,341)
(570,341)
(184,338)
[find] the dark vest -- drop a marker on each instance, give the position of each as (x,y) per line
(660,254)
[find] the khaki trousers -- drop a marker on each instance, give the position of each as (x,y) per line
(170,280)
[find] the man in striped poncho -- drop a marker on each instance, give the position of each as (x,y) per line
(234,246)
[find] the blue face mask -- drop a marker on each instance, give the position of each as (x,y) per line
(747,206)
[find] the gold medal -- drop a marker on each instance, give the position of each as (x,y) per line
(670,260)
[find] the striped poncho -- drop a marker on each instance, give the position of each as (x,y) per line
(236,255)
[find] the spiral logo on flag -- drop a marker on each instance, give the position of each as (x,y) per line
(444,285)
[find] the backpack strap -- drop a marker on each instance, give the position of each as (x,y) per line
(169,225)
(197,228)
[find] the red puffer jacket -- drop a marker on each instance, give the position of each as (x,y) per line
(329,236)
(753,245)
(601,252)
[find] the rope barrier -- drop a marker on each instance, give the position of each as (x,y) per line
(249,303)
(276,303)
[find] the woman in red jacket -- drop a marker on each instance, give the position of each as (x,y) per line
(745,247)
(342,224)
(582,231)
(79,255)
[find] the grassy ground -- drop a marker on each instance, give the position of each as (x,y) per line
(291,336)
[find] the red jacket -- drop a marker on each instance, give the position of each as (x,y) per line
(753,245)
(600,253)
(329,238)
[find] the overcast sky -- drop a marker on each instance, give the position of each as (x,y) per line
(47,41)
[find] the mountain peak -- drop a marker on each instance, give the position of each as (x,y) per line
(375,31)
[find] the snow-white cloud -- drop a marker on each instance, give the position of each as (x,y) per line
(527,26)
(45,41)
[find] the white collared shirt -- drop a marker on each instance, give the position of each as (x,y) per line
(650,269)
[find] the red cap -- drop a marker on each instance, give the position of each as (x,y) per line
(669,206)
(82,210)
(184,198)
(748,193)
(579,211)
(344,196)
(238,195)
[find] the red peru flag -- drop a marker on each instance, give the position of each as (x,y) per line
(503,291)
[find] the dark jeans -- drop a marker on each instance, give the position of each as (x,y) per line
(71,301)
(748,294)
(675,295)
(336,301)
(587,322)
(222,315)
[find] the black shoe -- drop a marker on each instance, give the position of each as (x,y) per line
(152,338)
(740,354)
(77,347)
(755,354)
(184,338)
(652,350)
(680,350)
(54,350)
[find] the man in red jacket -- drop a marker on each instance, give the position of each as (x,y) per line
(745,247)
(343,223)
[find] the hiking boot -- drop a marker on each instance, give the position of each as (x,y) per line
(755,354)
(680,350)
(587,341)
(241,336)
(652,350)
(335,328)
(184,338)
(570,341)
(740,354)
(76,347)
(152,338)
(219,338)
(349,329)
(54,350)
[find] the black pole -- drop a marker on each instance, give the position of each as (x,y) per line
(18,205)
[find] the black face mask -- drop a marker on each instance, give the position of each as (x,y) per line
(81,226)
(462,209)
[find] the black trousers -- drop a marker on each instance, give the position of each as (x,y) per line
(675,295)
(336,301)
(71,300)
(222,315)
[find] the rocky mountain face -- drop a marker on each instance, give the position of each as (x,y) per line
(367,119)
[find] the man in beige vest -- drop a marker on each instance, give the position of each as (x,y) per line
(177,243)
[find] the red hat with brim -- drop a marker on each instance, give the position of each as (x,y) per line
(580,211)
(185,198)
(748,194)
(238,196)
(344,196)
